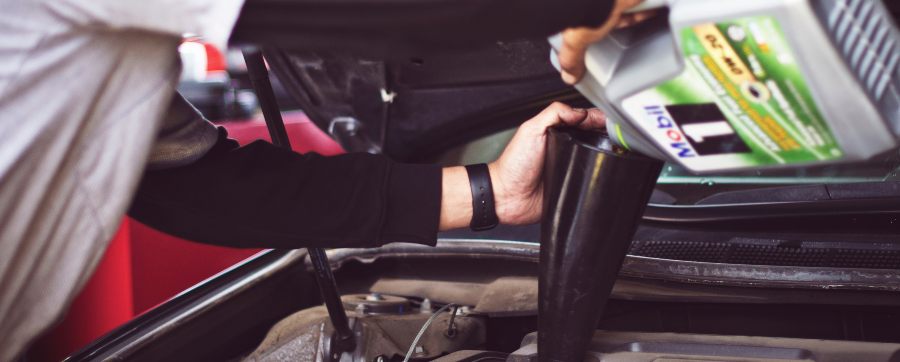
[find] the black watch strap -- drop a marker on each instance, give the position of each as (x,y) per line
(484,215)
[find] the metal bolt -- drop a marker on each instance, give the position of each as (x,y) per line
(425,307)
(387,96)
(374,297)
(360,309)
(380,358)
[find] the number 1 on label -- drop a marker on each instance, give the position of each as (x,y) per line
(699,131)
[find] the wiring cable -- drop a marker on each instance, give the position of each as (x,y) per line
(415,342)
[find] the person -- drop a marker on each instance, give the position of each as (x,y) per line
(85,85)
(203,186)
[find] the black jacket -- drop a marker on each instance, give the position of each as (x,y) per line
(260,195)
(263,196)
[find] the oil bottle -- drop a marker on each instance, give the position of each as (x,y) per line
(717,85)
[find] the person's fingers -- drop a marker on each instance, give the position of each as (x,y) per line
(573,116)
(571,54)
(569,78)
(594,119)
(561,114)
(634,18)
(628,4)
(575,41)
(557,113)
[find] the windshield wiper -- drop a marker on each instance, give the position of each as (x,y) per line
(857,207)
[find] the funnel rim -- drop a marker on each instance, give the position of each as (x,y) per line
(595,140)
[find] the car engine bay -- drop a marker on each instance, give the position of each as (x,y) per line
(493,304)
(810,274)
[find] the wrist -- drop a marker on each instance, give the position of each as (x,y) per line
(456,199)
(515,204)
(502,204)
(484,201)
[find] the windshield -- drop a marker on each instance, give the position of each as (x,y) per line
(882,168)
(677,186)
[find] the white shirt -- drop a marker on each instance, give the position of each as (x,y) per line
(83,86)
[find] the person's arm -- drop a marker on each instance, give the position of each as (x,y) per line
(260,195)
(202,186)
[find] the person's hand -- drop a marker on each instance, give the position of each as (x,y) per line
(576,40)
(518,174)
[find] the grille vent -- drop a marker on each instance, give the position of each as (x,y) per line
(868,41)
(774,253)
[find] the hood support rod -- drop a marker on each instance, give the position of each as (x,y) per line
(259,78)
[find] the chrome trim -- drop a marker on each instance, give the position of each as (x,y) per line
(716,274)
(186,315)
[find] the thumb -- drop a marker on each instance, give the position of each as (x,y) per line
(571,55)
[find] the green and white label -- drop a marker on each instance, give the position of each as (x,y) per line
(741,101)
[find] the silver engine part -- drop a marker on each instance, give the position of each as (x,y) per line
(384,326)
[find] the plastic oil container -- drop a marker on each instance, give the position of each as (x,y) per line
(736,84)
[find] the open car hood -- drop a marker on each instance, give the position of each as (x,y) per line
(415,102)
(413,106)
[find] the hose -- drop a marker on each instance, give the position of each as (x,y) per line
(415,342)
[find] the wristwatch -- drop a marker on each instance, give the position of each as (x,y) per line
(484,215)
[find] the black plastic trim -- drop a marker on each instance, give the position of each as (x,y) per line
(875,215)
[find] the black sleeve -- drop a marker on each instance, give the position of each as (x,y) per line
(316,23)
(260,195)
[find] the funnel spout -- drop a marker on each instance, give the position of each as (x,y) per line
(595,194)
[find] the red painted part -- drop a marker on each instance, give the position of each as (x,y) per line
(165,265)
(103,304)
(305,136)
(144,267)
(215,62)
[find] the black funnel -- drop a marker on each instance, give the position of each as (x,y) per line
(595,194)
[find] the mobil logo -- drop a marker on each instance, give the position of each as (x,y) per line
(668,129)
